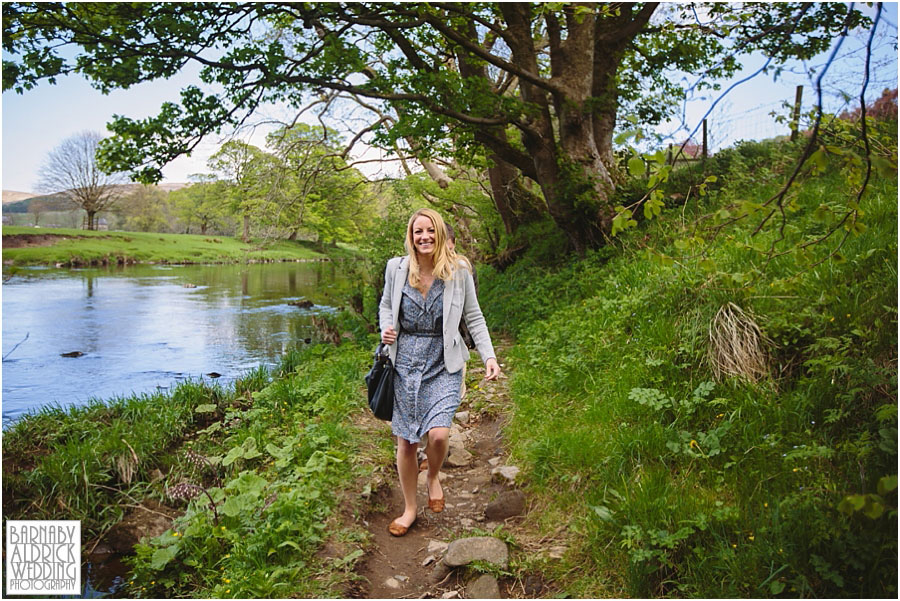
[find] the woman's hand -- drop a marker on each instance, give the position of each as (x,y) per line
(491,369)
(389,335)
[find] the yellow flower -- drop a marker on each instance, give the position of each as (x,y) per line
(832,319)
(721,415)
(227,581)
(228,590)
(694,444)
(152,582)
(751,537)
(848,315)
(176,534)
(796,469)
(734,546)
(223,528)
(765,504)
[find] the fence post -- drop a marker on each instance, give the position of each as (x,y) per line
(795,116)
(705,147)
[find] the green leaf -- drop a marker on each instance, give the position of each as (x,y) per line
(233,455)
(852,503)
(886,484)
(602,512)
(874,507)
(776,587)
(206,408)
(707,264)
(636,166)
(163,556)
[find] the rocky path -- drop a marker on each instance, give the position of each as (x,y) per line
(481,495)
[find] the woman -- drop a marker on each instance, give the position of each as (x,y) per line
(425,295)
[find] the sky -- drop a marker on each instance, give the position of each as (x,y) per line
(40,119)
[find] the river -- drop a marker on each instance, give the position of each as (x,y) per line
(143,328)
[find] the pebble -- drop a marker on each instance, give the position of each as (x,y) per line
(485,587)
(439,572)
(462,417)
(508,504)
(466,522)
(494,461)
(401,578)
(505,472)
(459,457)
(450,595)
(437,546)
(428,560)
(466,550)
(392,583)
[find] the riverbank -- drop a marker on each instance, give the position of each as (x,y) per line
(73,248)
(275,452)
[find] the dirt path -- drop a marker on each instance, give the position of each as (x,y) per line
(410,566)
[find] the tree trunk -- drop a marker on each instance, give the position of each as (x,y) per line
(90,220)
(245,235)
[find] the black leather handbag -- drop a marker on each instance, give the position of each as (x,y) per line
(380,383)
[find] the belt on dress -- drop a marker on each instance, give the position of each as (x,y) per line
(425,334)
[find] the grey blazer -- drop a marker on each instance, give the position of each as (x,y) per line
(459,300)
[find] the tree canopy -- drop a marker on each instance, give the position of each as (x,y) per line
(531,91)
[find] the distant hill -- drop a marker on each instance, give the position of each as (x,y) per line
(13,196)
(18,202)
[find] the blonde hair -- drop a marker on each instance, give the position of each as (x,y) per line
(446,261)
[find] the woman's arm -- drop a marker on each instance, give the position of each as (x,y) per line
(475,321)
(385,318)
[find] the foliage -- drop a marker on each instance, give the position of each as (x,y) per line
(682,487)
(202,205)
(462,81)
(283,459)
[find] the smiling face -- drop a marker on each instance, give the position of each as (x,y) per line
(424,236)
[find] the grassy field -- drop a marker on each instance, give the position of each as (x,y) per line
(674,482)
(71,247)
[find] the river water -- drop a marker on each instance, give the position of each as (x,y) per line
(143,328)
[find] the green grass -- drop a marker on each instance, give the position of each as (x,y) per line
(677,485)
(83,247)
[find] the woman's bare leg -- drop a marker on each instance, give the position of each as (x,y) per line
(408,468)
(436,453)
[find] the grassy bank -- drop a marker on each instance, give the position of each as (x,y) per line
(675,483)
(72,247)
(276,452)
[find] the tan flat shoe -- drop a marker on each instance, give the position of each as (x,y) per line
(436,505)
(398,529)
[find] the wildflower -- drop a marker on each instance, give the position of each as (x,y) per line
(832,319)
(223,528)
(227,581)
(751,537)
(765,504)
(848,315)
(721,415)
(152,582)
(228,590)
(796,469)
(176,534)
(734,546)
(694,444)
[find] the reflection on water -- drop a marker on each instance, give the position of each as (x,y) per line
(142,328)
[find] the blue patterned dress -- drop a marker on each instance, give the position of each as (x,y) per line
(426,395)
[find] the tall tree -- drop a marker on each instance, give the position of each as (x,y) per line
(71,169)
(243,166)
(536,88)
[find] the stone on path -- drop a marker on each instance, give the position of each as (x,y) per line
(494,461)
(439,572)
(557,552)
(508,504)
(506,473)
(464,551)
(450,595)
(392,583)
(437,546)
(485,587)
(428,560)
(462,417)
(459,457)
